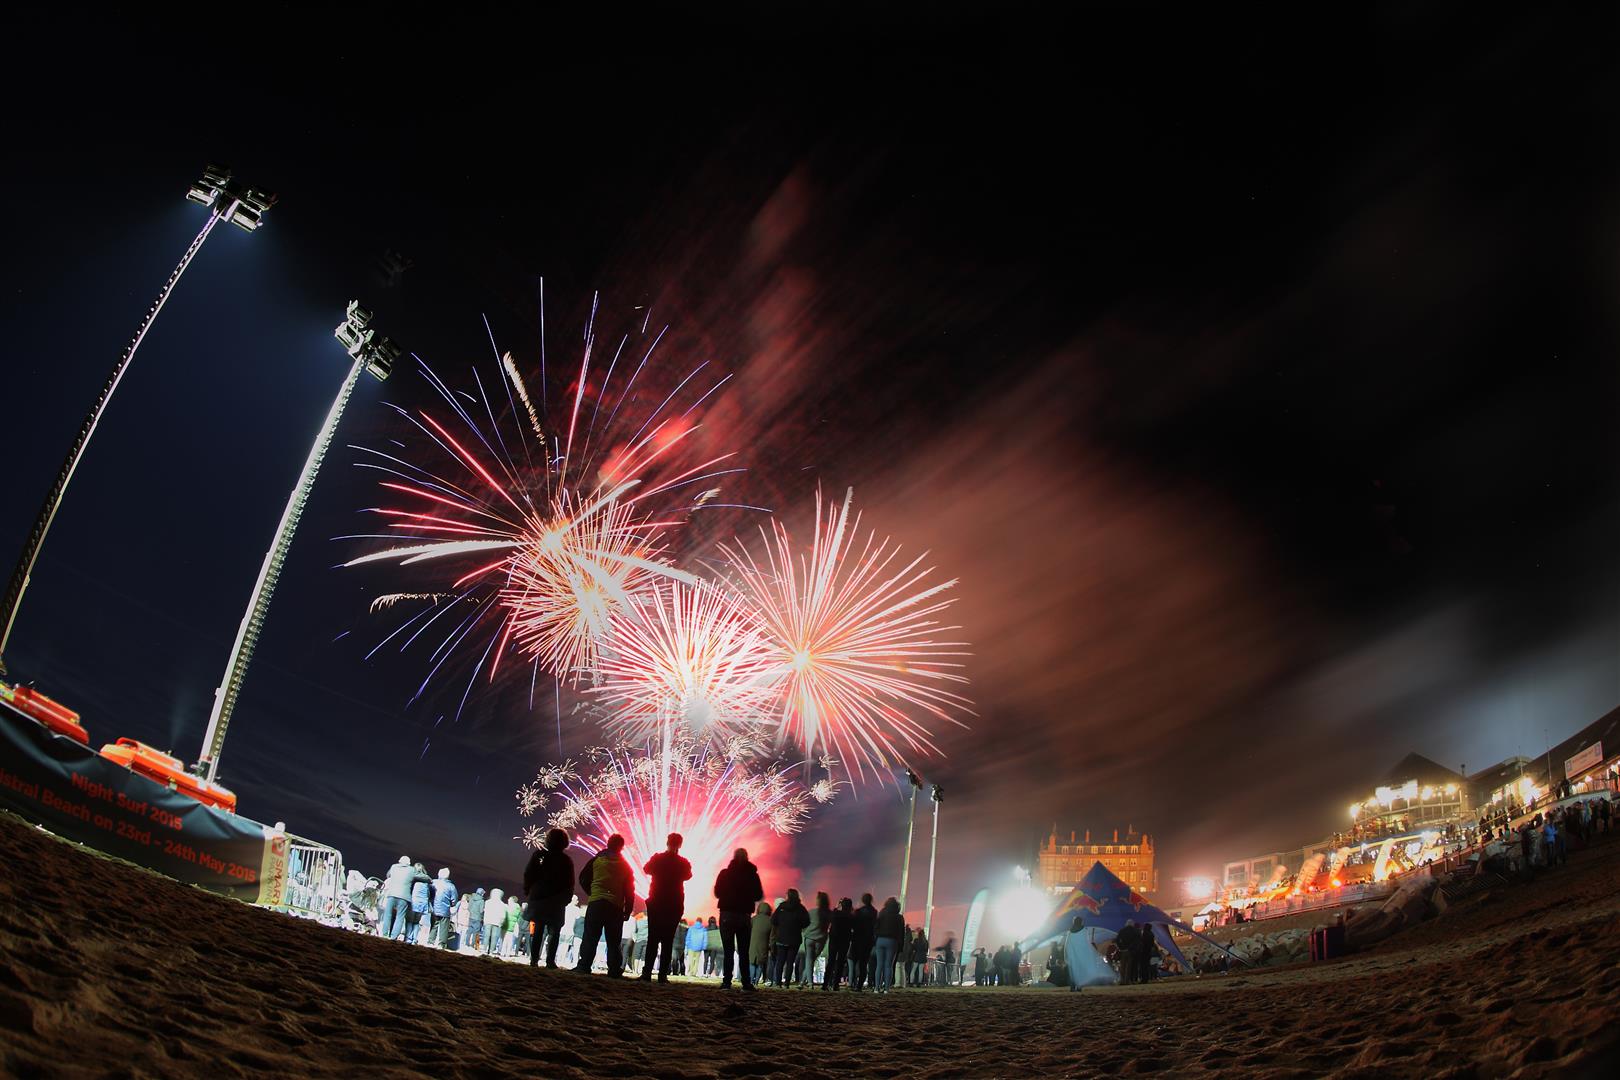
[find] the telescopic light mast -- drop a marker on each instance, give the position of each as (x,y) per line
(371,353)
(227,200)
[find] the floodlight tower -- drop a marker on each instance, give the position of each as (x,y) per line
(227,200)
(375,355)
(928,915)
(911,821)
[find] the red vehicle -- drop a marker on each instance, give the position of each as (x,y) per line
(57,717)
(167,770)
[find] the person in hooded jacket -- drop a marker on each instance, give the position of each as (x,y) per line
(759,942)
(475,919)
(494,922)
(421,900)
(840,925)
(815,937)
(713,949)
(790,922)
(738,889)
(610,896)
(444,899)
(666,898)
(697,940)
(548,882)
(861,942)
(513,929)
(891,927)
(401,880)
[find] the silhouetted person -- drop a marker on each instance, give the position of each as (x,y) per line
(919,958)
(861,943)
(666,898)
(1128,941)
(759,942)
(548,882)
(609,887)
(891,927)
(1147,948)
(738,889)
(790,921)
(840,927)
(815,937)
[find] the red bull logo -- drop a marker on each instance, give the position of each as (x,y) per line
(1081,902)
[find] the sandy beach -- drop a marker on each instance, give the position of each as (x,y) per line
(113,971)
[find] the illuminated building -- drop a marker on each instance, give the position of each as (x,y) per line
(1415,792)
(1060,864)
(1416,796)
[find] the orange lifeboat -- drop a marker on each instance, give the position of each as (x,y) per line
(167,770)
(54,715)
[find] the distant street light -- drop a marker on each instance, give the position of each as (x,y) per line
(227,200)
(374,354)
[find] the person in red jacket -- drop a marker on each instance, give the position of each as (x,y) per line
(666,899)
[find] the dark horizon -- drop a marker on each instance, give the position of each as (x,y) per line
(1260,393)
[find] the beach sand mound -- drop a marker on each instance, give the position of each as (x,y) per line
(112,971)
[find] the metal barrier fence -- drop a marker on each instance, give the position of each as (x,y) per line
(315,881)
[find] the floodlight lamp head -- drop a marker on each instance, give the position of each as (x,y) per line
(365,344)
(236,203)
(379,356)
(206,190)
(250,206)
(938,794)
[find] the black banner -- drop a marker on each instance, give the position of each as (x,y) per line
(80,795)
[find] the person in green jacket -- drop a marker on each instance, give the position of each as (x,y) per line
(509,929)
(609,886)
(759,941)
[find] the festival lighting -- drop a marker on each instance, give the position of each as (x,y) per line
(234,202)
(372,354)
(1021,910)
(852,639)
(1198,888)
(227,201)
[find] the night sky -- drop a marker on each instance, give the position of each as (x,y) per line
(1256,377)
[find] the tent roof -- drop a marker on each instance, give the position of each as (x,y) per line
(1106,902)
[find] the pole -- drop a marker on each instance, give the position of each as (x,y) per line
(911,821)
(47,514)
(933,851)
(247,635)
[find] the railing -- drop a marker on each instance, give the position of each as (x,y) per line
(315,881)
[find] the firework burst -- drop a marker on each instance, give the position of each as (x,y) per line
(540,546)
(687,655)
(851,640)
(679,784)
